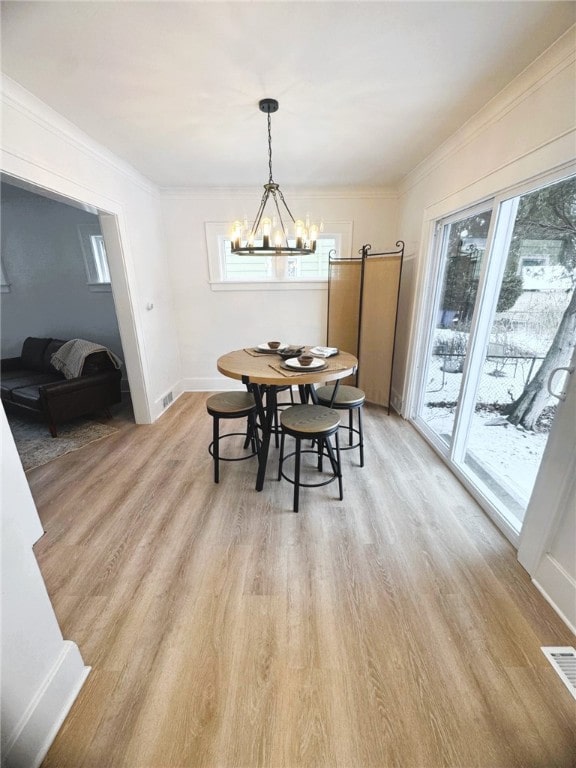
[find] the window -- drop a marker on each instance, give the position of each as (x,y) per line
(4,284)
(95,259)
(230,271)
(98,271)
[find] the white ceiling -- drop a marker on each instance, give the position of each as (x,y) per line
(366,89)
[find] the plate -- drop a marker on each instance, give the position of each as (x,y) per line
(266,348)
(314,365)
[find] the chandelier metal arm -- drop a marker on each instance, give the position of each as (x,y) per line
(286,205)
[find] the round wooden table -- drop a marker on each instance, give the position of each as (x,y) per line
(262,374)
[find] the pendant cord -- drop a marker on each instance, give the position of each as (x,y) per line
(270,181)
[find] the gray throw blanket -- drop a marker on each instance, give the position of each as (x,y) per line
(69,359)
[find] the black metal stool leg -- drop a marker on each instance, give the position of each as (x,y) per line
(335,461)
(249,434)
(276,426)
(297,474)
(253,432)
(215,441)
(340,488)
(281,458)
(361,437)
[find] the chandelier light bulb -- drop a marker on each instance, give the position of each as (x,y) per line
(299,230)
(236,232)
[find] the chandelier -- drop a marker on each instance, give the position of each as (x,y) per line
(272,230)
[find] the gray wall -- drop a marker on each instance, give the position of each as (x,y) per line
(44,264)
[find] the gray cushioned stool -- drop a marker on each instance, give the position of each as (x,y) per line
(310,422)
(350,399)
(232,405)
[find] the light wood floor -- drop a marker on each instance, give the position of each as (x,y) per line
(395,628)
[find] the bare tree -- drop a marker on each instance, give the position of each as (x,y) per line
(550,214)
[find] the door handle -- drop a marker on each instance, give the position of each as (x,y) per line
(562,394)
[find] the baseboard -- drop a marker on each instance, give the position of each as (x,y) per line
(27,746)
(216,384)
(551,579)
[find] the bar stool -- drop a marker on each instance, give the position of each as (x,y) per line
(231,405)
(349,399)
(310,422)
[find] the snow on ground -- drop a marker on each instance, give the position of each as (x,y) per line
(505,451)
(519,339)
(510,453)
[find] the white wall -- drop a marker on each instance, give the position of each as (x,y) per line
(213,322)
(41,672)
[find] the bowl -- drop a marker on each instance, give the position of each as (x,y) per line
(274,344)
(305,359)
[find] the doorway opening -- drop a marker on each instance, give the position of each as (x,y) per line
(55,285)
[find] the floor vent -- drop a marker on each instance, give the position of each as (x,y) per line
(166,400)
(564,662)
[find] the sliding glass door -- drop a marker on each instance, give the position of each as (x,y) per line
(502,319)
(462,245)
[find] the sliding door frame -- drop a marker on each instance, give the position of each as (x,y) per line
(430,281)
(493,265)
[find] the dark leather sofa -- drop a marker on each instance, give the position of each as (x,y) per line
(31,384)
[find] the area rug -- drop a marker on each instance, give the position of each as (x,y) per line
(36,445)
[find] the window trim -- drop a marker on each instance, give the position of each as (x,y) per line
(216,230)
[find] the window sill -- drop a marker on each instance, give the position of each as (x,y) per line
(270,285)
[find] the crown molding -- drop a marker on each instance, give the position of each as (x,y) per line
(23,101)
(558,57)
(220,193)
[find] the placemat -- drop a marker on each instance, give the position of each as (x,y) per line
(259,352)
(287,372)
(256,353)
